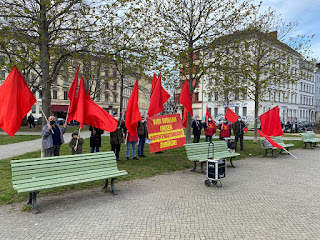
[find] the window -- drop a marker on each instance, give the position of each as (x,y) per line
(40,94)
(114,97)
(2,60)
(114,72)
(215,112)
(65,95)
(98,97)
(115,86)
(106,97)
(244,111)
(54,94)
(237,110)
(197,97)
(34,109)
(106,86)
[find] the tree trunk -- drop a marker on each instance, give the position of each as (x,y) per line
(44,59)
(190,80)
(121,97)
(256,112)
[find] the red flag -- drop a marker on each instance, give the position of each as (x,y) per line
(80,109)
(72,95)
(270,122)
(133,112)
(90,113)
(158,98)
(207,114)
(231,116)
(154,81)
(16,101)
(185,98)
(273,143)
(246,129)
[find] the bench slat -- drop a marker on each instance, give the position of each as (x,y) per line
(66,183)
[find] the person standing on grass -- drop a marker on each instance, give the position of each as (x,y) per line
(132,140)
(238,132)
(143,135)
(116,138)
(31,121)
(209,130)
(52,137)
(225,131)
(196,126)
(76,143)
(95,139)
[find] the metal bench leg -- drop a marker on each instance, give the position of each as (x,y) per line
(201,164)
(112,186)
(30,199)
(194,166)
(231,163)
(106,184)
(34,203)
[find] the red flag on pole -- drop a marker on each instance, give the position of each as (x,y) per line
(273,143)
(159,97)
(16,101)
(270,122)
(72,95)
(154,81)
(207,114)
(133,113)
(185,98)
(90,113)
(231,116)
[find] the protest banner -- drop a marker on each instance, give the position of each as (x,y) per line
(165,132)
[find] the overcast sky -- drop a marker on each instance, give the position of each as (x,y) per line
(306,13)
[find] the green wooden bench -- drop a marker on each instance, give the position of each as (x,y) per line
(280,141)
(267,146)
(198,152)
(34,175)
(310,137)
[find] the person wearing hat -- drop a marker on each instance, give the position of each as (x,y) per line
(52,137)
(116,137)
(76,143)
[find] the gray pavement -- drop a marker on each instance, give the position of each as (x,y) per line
(263,198)
(16,149)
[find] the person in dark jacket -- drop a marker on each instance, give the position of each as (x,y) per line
(95,139)
(196,126)
(76,143)
(238,132)
(31,121)
(143,135)
(116,138)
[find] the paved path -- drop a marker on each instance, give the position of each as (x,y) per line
(263,198)
(22,133)
(16,149)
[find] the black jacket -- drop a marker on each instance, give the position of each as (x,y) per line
(95,139)
(238,127)
(196,126)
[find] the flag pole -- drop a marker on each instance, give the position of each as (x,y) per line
(67,114)
(78,138)
(289,153)
(46,118)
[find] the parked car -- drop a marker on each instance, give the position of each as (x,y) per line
(37,121)
(60,121)
(73,123)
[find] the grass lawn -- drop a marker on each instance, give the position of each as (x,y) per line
(6,139)
(153,164)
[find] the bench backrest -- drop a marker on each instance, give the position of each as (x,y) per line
(278,139)
(195,149)
(50,166)
(307,136)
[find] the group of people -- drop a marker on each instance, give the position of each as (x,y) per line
(210,129)
(52,139)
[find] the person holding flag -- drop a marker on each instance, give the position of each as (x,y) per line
(225,131)
(210,129)
(238,131)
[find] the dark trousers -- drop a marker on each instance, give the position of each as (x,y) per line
(97,149)
(241,141)
(196,138)
(208,138)
(142,141)
(32,125)
(56,150)
(116,149)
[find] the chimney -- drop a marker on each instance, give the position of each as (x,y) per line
(274,34)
